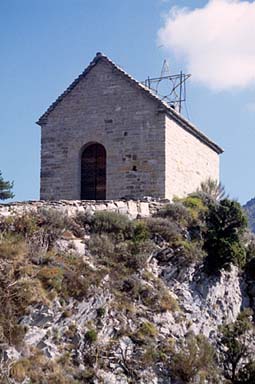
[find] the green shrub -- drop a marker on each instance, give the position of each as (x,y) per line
(125,256)
(194,357)
(102,246)
(236,356)
(47,370)
(12,247)
(137,254)
(141,232)
(226,223)
(196,207)
(83,219)
(100,312)
(145,333)
(111,222)
(150,356)
(77,284)
(51,277)
(176,212)
(91,336)
(153,294)
(49,222)
(189,252)
(246,374)
(223,252)
(54,223)
(17,291)
(148,329)
(167,302)
(168,230)
(40,229)
(26,224)
(77,276)
(6,225)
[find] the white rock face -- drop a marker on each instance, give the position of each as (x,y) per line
(208,302)
(205,303)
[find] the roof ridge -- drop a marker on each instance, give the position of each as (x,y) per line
(186,124)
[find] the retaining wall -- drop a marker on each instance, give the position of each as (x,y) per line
(133,208)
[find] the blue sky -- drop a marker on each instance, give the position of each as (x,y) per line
(45,44)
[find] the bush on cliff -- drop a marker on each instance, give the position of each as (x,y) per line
(111,222)
(236,355)
(166,229)
(226,223)
(194,361)
(176,212)
(48,225)
(196,207)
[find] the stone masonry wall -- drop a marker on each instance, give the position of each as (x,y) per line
(132,208)
(188,161)
(105,108)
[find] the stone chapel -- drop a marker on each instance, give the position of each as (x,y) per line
(109,137)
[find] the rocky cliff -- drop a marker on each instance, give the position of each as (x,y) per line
(118,292)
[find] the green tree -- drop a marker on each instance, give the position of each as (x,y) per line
(226,223)
(236,354)
(5,189)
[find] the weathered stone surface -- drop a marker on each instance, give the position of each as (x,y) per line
(188,161)
(101,108)
(205,303)
(208,302)
(132,208)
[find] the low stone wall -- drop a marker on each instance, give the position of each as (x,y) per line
(133,208)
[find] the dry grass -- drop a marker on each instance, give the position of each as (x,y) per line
(47,371)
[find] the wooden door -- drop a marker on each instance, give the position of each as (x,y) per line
(93,173)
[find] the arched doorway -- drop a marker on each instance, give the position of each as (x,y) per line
(93,172)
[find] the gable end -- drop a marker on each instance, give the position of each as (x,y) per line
(163,106)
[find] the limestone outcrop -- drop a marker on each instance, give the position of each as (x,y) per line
(90,309)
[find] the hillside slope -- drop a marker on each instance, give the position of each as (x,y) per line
(250,209)
(100,298)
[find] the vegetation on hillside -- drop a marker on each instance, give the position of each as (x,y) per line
(202,230)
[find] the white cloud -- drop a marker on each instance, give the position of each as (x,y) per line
(216,41)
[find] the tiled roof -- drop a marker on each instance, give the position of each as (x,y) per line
(163,106)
